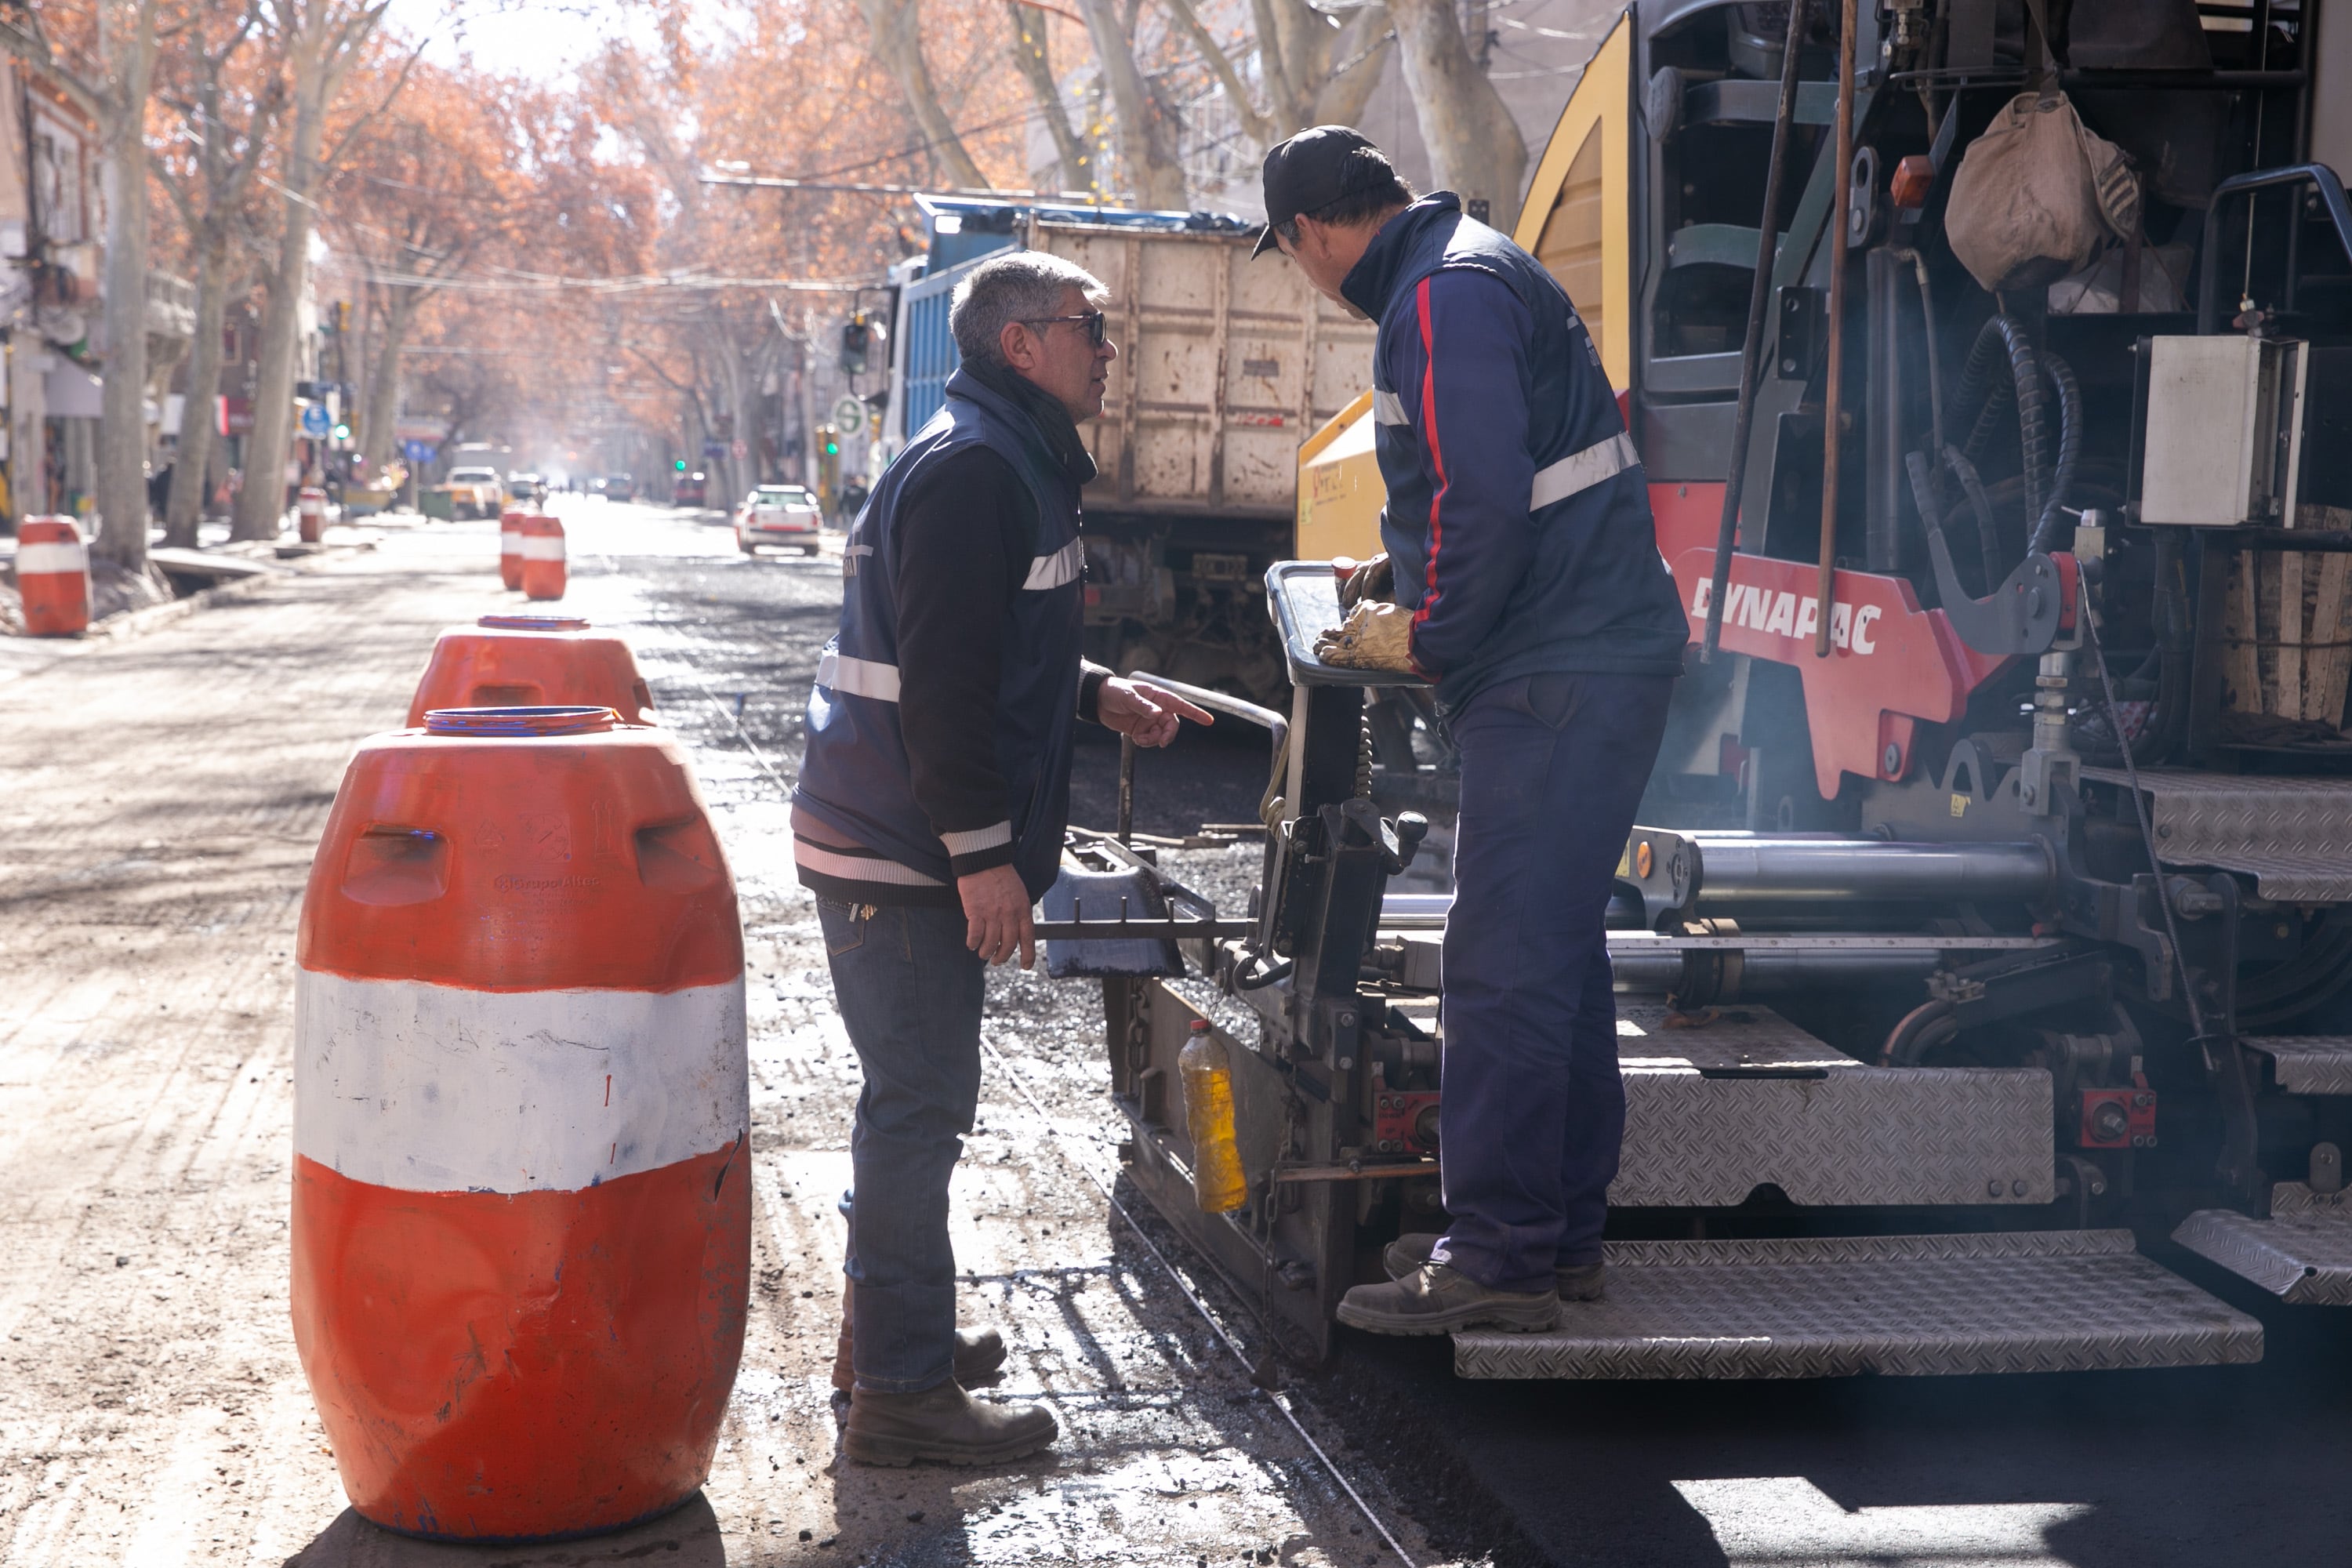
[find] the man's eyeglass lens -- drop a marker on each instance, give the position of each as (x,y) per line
(1096,324)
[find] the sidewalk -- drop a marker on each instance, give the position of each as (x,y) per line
(161,798)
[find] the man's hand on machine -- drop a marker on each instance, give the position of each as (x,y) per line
(1145,713)
(997,916)
(1373,636)
(1361,580)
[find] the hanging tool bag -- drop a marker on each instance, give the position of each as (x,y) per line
(2038,196)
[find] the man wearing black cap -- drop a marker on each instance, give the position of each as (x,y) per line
(1522,579)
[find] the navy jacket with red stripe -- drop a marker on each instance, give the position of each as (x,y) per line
(1517,518)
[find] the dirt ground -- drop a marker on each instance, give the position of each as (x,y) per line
(160,796)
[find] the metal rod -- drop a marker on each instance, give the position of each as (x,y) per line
(1173,928)
(1127,789)
(1841,222)
(1752,353)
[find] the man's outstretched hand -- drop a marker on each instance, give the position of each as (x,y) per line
(1145,713)
(997,916)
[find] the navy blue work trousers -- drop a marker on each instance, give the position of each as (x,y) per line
(1533,1110)
(910,993)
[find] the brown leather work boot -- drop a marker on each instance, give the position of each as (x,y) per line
(1437,1299)
(1575,1282)
(978,1353)
(943,1424)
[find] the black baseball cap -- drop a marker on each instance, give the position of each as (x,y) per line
(1312,170)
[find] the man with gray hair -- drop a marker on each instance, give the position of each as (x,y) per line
(930,812)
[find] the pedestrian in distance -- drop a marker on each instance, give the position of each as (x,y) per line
(1522,578)
(931,805)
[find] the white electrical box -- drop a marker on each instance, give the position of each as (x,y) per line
(2223,441)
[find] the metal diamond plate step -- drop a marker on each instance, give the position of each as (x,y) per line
(1902,1306)
(2302,1254)
(2293,836)
(2308,1064)
(1715,1112)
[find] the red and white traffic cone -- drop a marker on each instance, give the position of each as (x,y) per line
(510,661)
(522,1208)
(510,547)
(543,574)
(53,576)
(310,513)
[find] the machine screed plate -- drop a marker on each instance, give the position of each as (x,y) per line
(2302,1254)
(1906,1306)
(2293,836)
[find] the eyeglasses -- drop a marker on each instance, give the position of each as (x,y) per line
(1097,325)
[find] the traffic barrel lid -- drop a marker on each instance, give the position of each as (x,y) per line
(532,623)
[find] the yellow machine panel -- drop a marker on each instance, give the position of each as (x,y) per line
(1578,222)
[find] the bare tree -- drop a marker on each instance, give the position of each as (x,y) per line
(1148,165)
(210,189)
(126,64)
(322,40)
(897,44)
(1474,146)
(1036,67)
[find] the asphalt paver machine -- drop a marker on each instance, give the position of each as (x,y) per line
(1983,983)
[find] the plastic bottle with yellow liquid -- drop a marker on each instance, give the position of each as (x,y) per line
(1207,1074)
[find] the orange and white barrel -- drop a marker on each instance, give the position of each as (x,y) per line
(53,576)
(520,661)
(543,557)
(522,1207)
(310,513)
(510,549)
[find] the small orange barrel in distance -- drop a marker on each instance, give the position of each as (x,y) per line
(543,557)
(310,513)
(521,1211)
(53,576)
(510,549)
(526,661)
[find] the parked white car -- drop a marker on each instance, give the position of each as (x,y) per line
(779,515)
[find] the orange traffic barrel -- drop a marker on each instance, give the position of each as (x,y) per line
(526,661)
(53,576)
(543,557)
(310,513)
(509,549)
(521,1224)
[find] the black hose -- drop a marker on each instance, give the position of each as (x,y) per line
(1987,534)
(2070,452)
(2002,341)
(1924,1028)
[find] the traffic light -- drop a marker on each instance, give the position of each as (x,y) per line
(831,442)
(343,430)
(855,335)
(677,465)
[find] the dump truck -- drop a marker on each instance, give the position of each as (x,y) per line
(1983,958)
(1223,368)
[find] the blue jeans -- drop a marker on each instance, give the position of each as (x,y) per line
(1533,1109)
(910,993)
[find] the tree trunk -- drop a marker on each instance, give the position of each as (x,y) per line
(261,504)
(191,472)
(380,424)
(899,45)
(1354,70)
(121,499)
(1077,159)
(1474,148)
(1145,160)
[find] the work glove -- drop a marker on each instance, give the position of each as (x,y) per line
(1373,636)
(1361,580)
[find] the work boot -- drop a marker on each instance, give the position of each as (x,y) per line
(1437,1299)
(978,1353)
(1575,1282)
(943,1424)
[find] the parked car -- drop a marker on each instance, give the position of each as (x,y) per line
(613,487)
(528,487)
(691,489)
(474,492)
(779,515)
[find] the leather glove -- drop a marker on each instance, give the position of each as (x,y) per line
(1373,636)
(1374,579)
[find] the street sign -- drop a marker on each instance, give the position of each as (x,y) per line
(714,448)
(849,414)
(741,451)
(315,421)
(416,451)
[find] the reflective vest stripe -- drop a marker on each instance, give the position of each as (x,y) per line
(40,558)
(859,868)
(1062,566)
(858,677)
(1388,408)
(1582,470)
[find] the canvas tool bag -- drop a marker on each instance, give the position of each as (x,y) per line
(2038,195)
